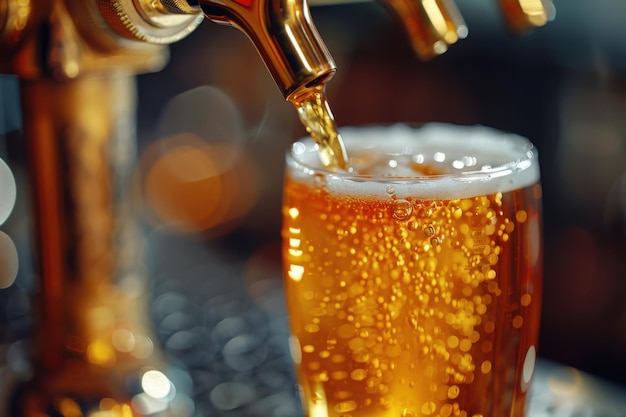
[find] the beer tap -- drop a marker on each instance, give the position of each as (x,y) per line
(432,26)
(76,61)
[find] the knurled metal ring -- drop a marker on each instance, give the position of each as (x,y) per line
(153,21)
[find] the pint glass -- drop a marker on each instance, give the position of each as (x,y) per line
(413,281)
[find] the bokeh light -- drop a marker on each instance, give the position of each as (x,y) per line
(9,262)
(192,185)
(8,191)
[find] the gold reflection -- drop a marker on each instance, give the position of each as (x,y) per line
(100,353)
(535,10)
(436,18)
(524,15)
(431,25)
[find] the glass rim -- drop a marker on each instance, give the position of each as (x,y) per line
(527,155)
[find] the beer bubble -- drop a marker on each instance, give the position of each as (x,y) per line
(429,230)
(465,345)
(412,225)
(446,410)
(358,374)
(435,241)
(453,392)
(402,210)
(312,328)
(428,408)
(345,406)
(453,341)
(390,189)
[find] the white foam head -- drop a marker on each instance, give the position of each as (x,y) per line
(470,161)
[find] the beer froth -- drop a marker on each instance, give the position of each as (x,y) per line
(415,152)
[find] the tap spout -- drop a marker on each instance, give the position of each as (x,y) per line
(284,35)
(431,25)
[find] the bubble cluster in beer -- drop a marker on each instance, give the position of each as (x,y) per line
(395,302)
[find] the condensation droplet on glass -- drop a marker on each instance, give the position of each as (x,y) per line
(345,406)
(435,241)
(390,189)
(412,225)
(429,230)
(402,210)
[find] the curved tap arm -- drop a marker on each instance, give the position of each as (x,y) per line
(281,30)
(285,37)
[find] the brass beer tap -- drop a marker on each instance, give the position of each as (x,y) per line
(76,60)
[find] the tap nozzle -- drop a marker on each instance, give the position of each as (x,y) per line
(524,15)
(431,25)
(284,35)
(281,30)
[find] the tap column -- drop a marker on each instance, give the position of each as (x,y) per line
(93,348)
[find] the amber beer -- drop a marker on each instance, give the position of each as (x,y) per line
(413,281)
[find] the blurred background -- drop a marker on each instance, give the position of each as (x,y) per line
(212,130)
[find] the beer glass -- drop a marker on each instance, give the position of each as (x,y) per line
(413,280)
